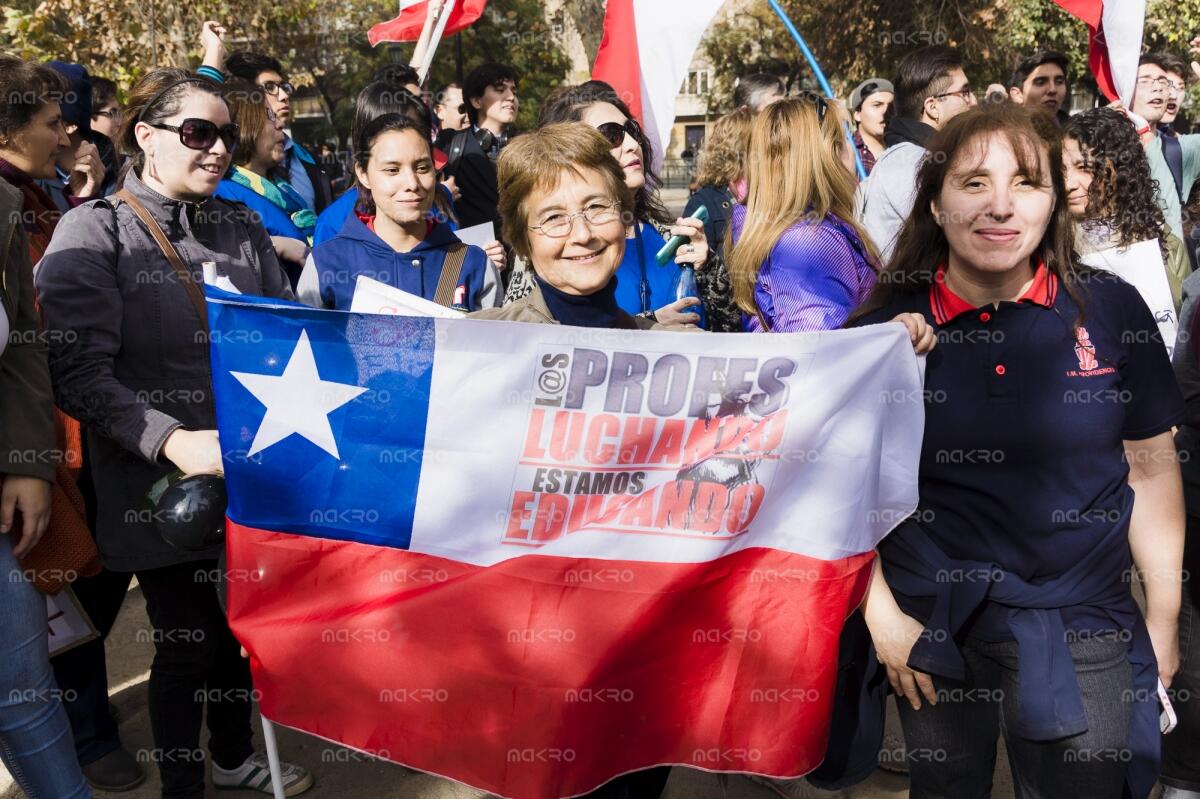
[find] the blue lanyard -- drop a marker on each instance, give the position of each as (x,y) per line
(644,286)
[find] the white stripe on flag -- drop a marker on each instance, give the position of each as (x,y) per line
(1122,24)
(668,32)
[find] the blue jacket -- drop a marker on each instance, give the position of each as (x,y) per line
(332,219)
(333,268)
(272,216)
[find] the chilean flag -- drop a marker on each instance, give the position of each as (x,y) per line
(645,53)
(531,558)
(1116,42)
(407,26)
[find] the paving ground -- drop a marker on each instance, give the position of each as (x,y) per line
(342,774)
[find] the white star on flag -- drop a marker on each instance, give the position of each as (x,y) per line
(297,401)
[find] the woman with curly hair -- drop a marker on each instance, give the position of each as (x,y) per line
(1111,194)
(720,173)
(644,287)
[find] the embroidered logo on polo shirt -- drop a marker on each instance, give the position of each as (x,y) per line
(1085,350)
(1085,353)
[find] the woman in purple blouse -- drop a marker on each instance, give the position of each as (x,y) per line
(799,260)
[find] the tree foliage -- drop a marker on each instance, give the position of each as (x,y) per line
(323,45)
(513,32)
(857,39)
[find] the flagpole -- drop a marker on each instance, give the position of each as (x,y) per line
(272,747)
(436,40)
(824,83)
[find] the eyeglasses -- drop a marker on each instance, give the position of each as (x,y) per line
(272,87)
(963,94)
(200,134)
(1154,83)
(615,132)
(112,113)
(558,225)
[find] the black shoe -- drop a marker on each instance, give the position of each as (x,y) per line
(116,771)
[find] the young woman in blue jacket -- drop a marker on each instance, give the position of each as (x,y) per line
(393,236)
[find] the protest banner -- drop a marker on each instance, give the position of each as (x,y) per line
(533,557)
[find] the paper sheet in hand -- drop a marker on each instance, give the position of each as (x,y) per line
(371,296)
(480,235)
(1141,265)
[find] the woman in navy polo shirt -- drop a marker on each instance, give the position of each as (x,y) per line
(1003,605)
(393,238)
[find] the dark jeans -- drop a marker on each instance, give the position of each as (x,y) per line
(1181,749)
(951,746)
(82,672)
(196,665)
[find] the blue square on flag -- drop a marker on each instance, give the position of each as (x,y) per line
(323,418)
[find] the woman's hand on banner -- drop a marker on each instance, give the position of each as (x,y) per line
(495,253)
(922,335)
(194,451)
(677,313)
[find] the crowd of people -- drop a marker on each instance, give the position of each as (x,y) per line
(118,203)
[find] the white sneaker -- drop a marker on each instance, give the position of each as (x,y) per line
(255,775)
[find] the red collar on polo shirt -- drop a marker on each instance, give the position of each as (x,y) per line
(947,305)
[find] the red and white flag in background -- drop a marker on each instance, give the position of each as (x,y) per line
(406,27)
(645,53)
(1116,42)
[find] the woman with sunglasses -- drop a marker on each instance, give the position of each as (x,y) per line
(119,291)
(644,287)
(255,179)
(799,260)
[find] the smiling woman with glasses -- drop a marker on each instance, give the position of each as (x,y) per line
(562,201)
(644,286)
(120,292)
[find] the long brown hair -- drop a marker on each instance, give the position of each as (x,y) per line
(922,246)
(793,172)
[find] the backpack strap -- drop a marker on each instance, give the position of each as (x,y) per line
(168,250)
(458,147)
(452,266)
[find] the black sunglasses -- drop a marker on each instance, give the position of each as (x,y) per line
(819,101)
(200,134)
(615,132)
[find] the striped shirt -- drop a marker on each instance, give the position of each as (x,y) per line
(817,273)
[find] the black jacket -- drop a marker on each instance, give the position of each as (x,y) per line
(475,173)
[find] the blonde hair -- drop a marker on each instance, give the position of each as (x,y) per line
(793,172)
(723,156)
(536,161)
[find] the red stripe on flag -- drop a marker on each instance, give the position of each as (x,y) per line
(617,61)
(407,26)
(1091,12)
(545,676)
(1087,10)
